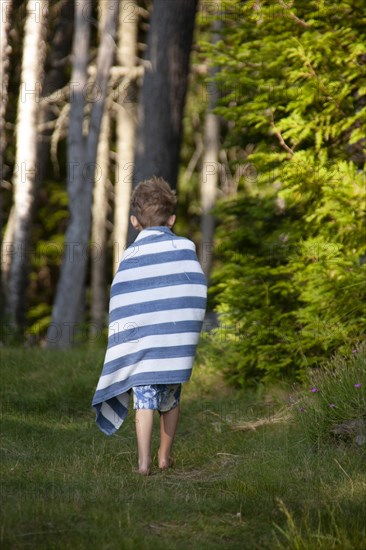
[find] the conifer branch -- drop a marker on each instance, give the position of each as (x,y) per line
(278,135)
(292,15)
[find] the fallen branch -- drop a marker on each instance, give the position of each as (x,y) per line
(282,416)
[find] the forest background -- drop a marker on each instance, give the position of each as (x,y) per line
(254,111)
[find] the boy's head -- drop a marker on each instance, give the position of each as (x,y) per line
(153,203)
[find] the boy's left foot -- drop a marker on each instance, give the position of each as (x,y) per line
(143,471)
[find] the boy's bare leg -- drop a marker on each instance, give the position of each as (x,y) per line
(144,425)
(168,426)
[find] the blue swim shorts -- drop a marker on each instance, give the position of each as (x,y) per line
(161,397)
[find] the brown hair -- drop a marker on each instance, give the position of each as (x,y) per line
(153,202)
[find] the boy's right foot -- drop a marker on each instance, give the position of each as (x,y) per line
(164,463)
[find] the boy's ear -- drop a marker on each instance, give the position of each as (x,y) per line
(171,221)
(135,223)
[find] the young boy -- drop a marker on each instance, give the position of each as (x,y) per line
(157,305)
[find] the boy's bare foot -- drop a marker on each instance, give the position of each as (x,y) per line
(165,463)
(168,425)
(143,471)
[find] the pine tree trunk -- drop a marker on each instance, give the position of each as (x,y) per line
(209,186)
(7,249)
(164,90)
(81,165)
(55,78)
(126,129)
(26,156)
(99,233)
(98,309)
(5,49)
(5,18)
(210,171)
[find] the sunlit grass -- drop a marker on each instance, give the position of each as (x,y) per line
(67,485)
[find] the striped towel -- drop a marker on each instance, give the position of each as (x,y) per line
(157,305)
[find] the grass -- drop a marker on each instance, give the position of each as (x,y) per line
(336,395)
(65,485)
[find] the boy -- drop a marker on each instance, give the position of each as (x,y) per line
(157,305)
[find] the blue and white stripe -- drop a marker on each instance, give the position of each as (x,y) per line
(157,305)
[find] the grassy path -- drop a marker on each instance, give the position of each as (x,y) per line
(66,485)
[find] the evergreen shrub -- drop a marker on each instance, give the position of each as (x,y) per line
(289,284)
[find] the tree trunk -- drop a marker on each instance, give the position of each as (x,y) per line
(164,90)
(7,249)
(99,233)
(209,186)
(81,165)
(5,18)
(126,128)
(210,170)
(5,48)
(55,79)
(99,216)
(26,156)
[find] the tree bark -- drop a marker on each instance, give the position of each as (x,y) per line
(5,14)
(81,165)
(26,156)
(164,89)
(5,18)
(99,233)
(7,249)
(126,127)
(210,170)
(98,309)
(209,186)
(55,79)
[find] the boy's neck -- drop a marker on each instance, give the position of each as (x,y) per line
(136,224)
(156,227)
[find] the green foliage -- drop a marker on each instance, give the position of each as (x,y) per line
(45,257)
(289,286)
(336,394)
